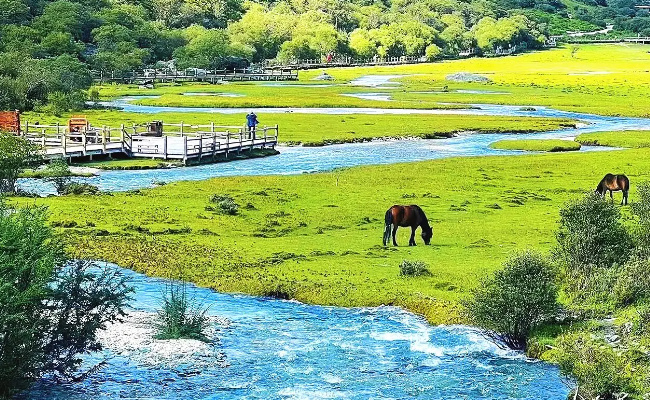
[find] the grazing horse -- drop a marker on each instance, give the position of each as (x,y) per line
(614,183)
(412,216)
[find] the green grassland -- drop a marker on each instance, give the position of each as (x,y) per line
(547,145)
(317,237)
(626,139)
(600,79)
(312,129)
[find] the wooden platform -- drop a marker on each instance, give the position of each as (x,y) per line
(188,143)
(140,77)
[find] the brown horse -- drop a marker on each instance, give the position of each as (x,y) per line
(412,216)
(614,183)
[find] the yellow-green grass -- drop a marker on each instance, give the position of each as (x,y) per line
(313,129)
(317,237)
(547,145)
(627,139)
(601,79)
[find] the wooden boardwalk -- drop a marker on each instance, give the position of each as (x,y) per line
(194,75)
(183,142)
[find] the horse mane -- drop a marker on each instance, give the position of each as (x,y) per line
(423,216)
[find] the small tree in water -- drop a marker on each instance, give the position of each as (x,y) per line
(16,154)
(516,300)
(50,310)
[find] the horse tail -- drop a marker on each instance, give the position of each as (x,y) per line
(388,219)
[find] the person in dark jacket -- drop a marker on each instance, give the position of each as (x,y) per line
(251,121)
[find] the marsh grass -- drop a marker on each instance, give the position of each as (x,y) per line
(181,316)
(546,145)
(625,139)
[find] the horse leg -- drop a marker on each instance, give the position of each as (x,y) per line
(412,240)
(624,201)
(394,234)
(611,194)
(386,234)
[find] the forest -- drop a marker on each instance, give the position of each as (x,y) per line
(49,48)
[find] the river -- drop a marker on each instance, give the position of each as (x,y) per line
(277,349)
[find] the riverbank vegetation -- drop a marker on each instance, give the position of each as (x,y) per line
(546,145)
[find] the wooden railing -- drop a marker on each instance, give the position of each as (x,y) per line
(180,141)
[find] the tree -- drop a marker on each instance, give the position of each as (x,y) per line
(16,154)
(516,300)
(591,234)
(206,48)
(49,312)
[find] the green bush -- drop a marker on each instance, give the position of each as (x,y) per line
(58,173)
(79,188)
(181,316)
(591,233)
(517,299)
(224,204)
(414,268)
(641,209)
(633,282)
(595,366)
(50,310)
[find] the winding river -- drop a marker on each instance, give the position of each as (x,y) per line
(276,349)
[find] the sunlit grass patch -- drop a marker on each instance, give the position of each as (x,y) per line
(547,145)
(628,139)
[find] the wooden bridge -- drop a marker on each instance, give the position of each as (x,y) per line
(187,143)
(196,75)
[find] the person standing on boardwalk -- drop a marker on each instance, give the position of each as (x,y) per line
(251,121)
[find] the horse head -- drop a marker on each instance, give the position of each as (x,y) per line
(427,234)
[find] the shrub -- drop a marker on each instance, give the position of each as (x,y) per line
(181,316)
(224,204)
(79,188)
(591,233)
(414,268)
(49,312)
(516,300)
(633,282)
(641,209)
(58,173)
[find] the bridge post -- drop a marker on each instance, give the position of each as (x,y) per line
(227,143)
(164,147)
(185,150)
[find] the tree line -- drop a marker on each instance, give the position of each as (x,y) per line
(47,48)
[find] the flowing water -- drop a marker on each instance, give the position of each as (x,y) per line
(276,349)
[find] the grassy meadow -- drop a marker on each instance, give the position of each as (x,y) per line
(601,79)
(315,130)
(317,237)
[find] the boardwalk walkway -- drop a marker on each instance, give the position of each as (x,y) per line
(187,143)
(196,75)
